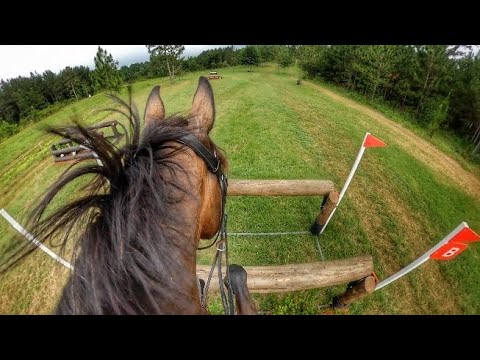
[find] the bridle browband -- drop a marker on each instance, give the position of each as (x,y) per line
(212,161)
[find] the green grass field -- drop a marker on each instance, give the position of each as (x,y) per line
(402,201)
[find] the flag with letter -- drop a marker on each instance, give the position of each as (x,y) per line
(456,245)
(448,248)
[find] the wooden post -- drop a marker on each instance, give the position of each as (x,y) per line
(355,291)
(279,187)
(329,203)
(293,277)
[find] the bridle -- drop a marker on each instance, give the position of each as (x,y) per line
(212,161)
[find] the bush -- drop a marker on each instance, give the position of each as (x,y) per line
(7,129)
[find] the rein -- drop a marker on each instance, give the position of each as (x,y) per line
(213,163)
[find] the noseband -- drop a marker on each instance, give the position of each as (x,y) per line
(213,163)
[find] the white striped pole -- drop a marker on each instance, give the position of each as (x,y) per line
(30,237)
(347,183)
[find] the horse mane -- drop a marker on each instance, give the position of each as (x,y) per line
(122,228)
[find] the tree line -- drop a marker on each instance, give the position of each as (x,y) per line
(26,99)
(438,85)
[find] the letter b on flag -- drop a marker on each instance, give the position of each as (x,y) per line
(449,251)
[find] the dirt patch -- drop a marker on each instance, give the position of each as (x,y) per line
(416,146)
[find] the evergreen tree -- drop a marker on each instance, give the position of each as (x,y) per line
(432,71)
(250,56)
(105,76)
(284,56)
(437,112)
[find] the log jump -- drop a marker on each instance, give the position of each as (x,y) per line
(294,277)
(324,188)
(279,187)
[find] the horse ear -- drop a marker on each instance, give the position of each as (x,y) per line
(154,110)
(203,108)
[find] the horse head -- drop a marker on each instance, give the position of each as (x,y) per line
(137,226)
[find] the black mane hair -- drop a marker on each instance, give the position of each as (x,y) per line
(122,224)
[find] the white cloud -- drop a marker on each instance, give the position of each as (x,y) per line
(20,60)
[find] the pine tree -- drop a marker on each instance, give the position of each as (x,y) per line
(106,75)
(432,70)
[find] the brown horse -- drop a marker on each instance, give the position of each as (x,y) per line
(147,206)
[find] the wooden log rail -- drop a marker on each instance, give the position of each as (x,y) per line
(294,277)
(324,188)
(279,187)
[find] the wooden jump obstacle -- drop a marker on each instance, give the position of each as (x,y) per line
(356,271)
(324,188)
(67,150)
(294,277)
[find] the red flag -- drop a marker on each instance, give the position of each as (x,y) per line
(464,236)
(456,245)
(372,141)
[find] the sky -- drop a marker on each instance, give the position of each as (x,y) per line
(20,60)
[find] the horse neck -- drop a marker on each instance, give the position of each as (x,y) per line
(169,244)
(182,225)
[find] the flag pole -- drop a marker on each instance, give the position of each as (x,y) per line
(347,183)
(422,259)
(32,238)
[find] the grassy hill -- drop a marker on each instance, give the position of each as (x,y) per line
(403,199)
